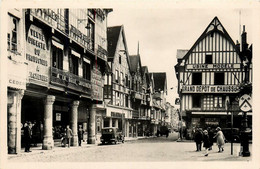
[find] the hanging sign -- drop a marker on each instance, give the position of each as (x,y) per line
(37,56)
(245,103)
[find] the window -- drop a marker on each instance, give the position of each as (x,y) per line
(86,70)
(12,35)
(117,76)
(208,102)
(208,59)
(122,78)
(218,102)
(126,101)
(91,34)
(196,103)
(219,78)
(196,78)
(74,65)
(120,59)
(57,58)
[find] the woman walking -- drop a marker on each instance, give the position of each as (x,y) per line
(206,142)
(198,138)
(220,139)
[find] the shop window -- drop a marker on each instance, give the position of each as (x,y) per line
(12,34)
(57,58)
(196,102)
(86,71)
(196,78)
(106,122)
(219,78)
(208,59)
(218,102)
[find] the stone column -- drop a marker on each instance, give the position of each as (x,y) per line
(19,108)
(48,143)
(116,123)
(110,122)
(127,128)
(92,126)
(74,122)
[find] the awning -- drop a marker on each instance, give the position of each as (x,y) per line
(219,113)
(86,60)
(57,44)
(75,53)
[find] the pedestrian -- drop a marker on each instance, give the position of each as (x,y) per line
(206,142)
(211,135)
(28,136)
(220,139)
(198,139)
(68,136)
(34,134)
(80,135)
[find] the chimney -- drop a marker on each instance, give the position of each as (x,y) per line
(238,45)
(244,40)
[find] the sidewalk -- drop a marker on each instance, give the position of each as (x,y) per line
(58,147)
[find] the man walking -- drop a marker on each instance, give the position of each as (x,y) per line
(80,135)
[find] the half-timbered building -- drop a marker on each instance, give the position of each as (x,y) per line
(209,75)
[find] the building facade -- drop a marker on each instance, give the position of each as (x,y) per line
(118,111)
(209,75)
(65,51)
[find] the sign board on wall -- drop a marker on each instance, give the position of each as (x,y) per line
(210,89)
(97,83)
(37,56)
(16,75)
(213,66)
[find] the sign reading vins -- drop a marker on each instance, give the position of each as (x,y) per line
(210,88)
(37,56)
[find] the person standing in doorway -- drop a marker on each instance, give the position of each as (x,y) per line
(28,136)
(80,135)
(211,135)
(220,139)
(68,136)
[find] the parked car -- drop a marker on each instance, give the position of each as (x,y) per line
(227,134)
(111,134)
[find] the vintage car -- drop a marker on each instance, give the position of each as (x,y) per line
(111,135)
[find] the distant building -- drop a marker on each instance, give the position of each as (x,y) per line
(209,77)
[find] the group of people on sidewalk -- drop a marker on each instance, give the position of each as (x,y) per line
(66,139)
(207,138)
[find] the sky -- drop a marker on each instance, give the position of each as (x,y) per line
(161,31)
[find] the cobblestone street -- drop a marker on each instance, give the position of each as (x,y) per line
(146,149)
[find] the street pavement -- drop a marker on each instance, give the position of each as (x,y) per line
(151,149)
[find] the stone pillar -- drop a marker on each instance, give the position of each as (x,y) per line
(48,143)
(14,121)
(74,122)
(110,122)
(92,126)
(19,108)
(127,128)
(116,123)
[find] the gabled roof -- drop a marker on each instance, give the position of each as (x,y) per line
(214,26)
(181,53)
(160,81)
(134,61)
(112,39)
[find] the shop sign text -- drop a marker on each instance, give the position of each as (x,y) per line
(210,89)
(213,66)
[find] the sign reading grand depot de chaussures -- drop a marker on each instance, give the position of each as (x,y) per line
(37,56)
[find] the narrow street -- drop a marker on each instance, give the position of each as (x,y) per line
(147,149)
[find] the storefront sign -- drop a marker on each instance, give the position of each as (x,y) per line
(37,56)
(210,89)
(119,115)
(213,66)
(97,84)
(16,75)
